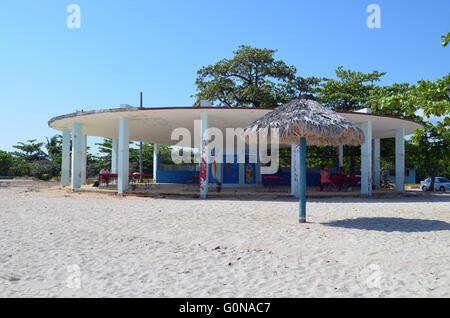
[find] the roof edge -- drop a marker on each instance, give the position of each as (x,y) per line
(136,109)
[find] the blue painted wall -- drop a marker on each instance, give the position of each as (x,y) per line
(312,179)
(176,176)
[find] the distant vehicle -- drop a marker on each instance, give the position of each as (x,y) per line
(440,184)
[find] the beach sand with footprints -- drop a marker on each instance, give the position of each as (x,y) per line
(61,244)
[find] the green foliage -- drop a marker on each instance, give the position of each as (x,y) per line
(103,158)
(432,149)
(54,149)
(445,39)
(19,167)
(321,151)
(350,91)
(6,161)
(379,93)
(43,169)
(433,97)
(429,147)
(251,78)
(46,177)
(30,151)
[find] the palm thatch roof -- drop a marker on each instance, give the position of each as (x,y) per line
(306,118)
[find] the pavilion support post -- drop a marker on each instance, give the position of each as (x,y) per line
(241,173)
(295,168)
(77,148)
(124,155)
(65,163)
(400,160)
(341,155)
(376,163)
(155,162)
(258,169)
(366,160)
(204,157)
(83,159)
(302,180)
(114,156)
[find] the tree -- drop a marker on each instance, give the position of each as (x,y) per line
(103,157)
(380,92)
(430,146)
(432,97)
(30,151)
(6,161)
(251,78)
(433,148)
(54,149)
(350,91)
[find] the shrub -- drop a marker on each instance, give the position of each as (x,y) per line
(6,160)
(44,170)
(46,177)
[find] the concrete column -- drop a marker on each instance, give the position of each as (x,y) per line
(376,163)
(295,168)
(366,159)
(400,160)
(341,155)
(258,175)
(114,156)
(155,162)
(204,158)
(242,174)
(65,164)
(124,155)
(77,145)
(83,159)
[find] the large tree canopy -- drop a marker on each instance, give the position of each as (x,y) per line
(30,151)
(350,91)
(251,78)
(432,97)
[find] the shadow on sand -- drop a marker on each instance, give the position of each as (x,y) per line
(391,224)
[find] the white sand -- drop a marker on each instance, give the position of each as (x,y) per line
(164,247)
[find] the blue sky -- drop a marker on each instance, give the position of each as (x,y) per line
(124,47)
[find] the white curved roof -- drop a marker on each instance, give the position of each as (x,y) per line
(155,125)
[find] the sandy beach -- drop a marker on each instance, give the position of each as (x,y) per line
(54,243)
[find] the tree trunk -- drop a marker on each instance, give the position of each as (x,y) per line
(434,175)
(433,172)
(352,166)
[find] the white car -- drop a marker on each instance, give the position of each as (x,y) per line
(440,184)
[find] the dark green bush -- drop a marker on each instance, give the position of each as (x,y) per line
(46,177)
(44,170)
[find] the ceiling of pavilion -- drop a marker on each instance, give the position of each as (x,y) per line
(155,125)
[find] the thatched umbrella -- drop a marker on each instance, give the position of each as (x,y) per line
(305,121)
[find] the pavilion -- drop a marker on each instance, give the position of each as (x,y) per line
(155,125)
